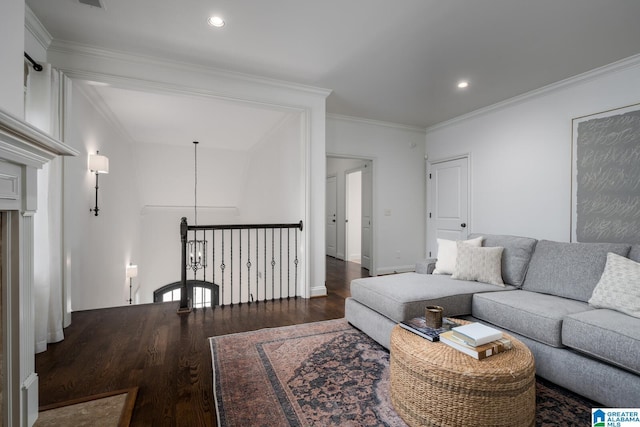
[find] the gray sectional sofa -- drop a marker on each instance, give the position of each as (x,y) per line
(594,352)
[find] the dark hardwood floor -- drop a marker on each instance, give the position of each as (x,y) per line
(166,355)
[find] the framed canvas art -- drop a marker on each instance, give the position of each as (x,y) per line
(606,177)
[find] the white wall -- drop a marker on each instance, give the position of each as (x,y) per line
(521,151)
(12,57)
(142,72)
(262,185)
(166,175)
(398,186)
(337,167)
(273,189)
(166,181)
(99,248)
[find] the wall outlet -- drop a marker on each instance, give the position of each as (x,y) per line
(397,254)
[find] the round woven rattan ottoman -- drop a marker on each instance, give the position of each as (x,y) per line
(433,384)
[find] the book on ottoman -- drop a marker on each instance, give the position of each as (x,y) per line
(475,334)
(418,326)
(480,352)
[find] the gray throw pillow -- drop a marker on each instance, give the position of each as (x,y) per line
(447,252)
(619,286)
(515,257)
(479,264)
(569,270)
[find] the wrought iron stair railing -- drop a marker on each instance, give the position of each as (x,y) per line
(249,262)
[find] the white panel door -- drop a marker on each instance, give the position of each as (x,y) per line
(353,202)
(448,183)
(331,237)
(367,208)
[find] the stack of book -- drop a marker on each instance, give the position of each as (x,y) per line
(477,340)
(418,326)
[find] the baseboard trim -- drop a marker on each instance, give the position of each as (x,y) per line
(318,291)
(30,399)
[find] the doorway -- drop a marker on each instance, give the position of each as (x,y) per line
(331,233)
(353,221)
(447,201)
(354,207)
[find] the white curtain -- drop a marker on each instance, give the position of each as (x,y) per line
(42,109)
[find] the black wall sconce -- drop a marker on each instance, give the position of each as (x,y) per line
(132,271)
(98,164)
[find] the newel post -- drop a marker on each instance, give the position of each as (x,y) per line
(184,297)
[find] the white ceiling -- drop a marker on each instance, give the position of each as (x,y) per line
(169,119)
(391,61)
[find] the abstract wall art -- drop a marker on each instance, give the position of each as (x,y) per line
(606,176)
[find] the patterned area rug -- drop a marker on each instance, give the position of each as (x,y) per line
(329,374)
(106,409)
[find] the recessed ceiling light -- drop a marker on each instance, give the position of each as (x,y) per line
(216,21)
(463,84)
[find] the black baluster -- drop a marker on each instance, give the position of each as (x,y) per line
(222,267)
(273,264)
(213,264)
(280,258)
(295,262)
(231,254)
(240,265)
(265,265)
(249,266)
(257,267)
(288,264)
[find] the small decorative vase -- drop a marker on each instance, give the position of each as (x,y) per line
(433,316)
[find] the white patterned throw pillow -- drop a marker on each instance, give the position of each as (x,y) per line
(479,264)
(447,253)
(619,286)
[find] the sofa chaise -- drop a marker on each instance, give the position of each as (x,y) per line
(575,305)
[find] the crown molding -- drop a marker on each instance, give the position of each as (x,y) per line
(152,86)
(353,119)
(623,64)
(74,48)
(35,27)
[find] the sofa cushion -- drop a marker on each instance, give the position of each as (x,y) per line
(634,253)
(515,257)
(479,264)
(448,252)
(426,266)
(569,270)
(404,296)
(536,316)
(619,286)
(606,335)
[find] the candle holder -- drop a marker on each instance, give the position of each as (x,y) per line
(433,316)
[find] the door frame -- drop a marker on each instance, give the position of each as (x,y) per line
(328,177)
(346,205)
(429,203)
(374,203)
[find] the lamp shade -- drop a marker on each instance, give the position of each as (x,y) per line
(98,163)
(132,271)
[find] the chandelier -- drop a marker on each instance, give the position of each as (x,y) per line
(197,249)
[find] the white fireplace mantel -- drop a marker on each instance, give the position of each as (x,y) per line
(23,150)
